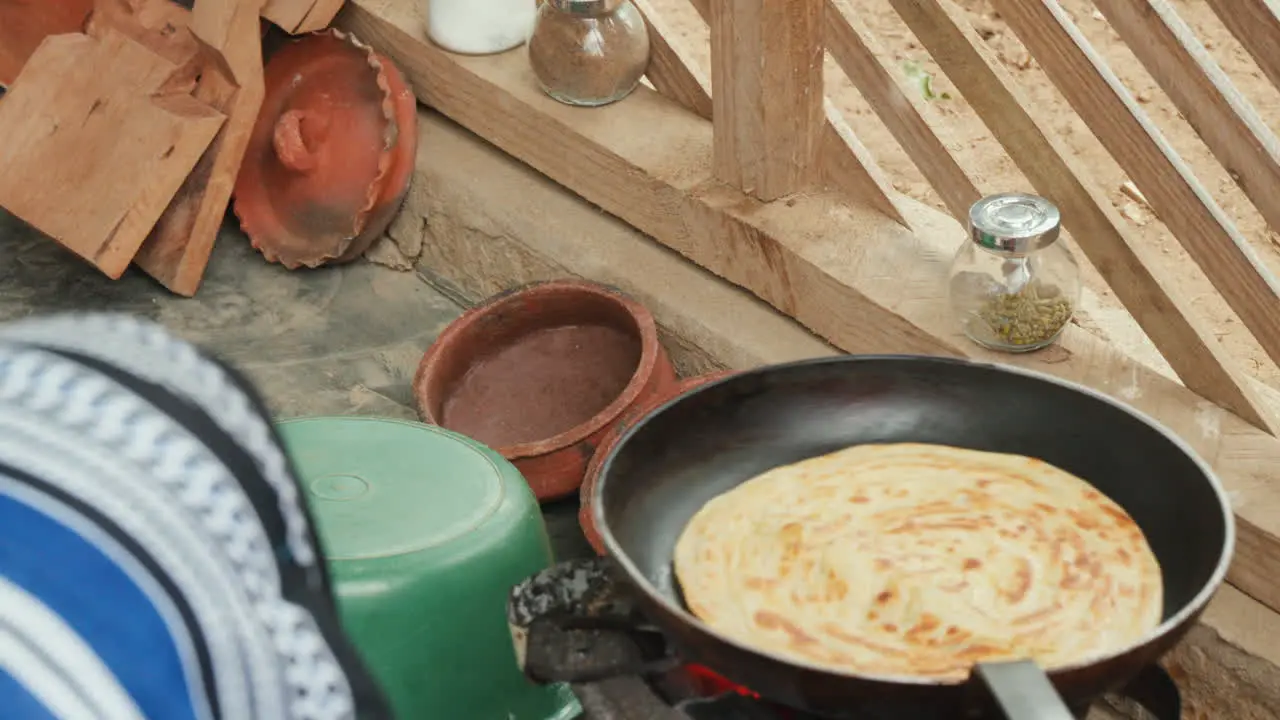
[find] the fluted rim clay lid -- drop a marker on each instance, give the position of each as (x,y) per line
(331,154)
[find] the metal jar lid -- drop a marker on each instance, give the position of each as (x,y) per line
(1014,223)
(585,7)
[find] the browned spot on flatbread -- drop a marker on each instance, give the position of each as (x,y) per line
(1021,582)
(773,621)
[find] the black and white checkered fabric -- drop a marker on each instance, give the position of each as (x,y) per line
(134,442)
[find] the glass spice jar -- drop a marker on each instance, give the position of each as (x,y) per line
(589,52)
(1013,286)
(479,27)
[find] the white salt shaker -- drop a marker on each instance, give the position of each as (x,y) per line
(479,27)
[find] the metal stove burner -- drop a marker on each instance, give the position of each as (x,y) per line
(575,622)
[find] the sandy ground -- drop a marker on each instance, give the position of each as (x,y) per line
(984,159)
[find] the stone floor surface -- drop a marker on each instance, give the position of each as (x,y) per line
(334,341)
(340,340)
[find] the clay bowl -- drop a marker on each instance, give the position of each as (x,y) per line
(610,440)
(541,374)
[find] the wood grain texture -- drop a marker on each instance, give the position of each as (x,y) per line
(177,250)
(1150,298)
(94,163)
(673,73)
(301,16)
(163,26)
(1256,24)
(845,163)
(1220,115)
(849,167)
(766,71)
(1190,213)
(855,49)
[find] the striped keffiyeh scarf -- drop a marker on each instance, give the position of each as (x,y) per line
(155,559)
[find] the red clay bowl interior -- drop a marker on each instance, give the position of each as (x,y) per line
(539,369)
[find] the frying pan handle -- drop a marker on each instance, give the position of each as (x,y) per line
(1022,691)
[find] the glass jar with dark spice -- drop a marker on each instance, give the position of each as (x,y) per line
(589,52)
(1013,286)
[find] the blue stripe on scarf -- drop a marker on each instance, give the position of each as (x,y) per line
(18,703)
(95,597)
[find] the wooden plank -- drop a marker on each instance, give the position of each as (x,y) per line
(849,167)
(855,49)
(648,162)
(1163,314)
(1223,118)
(88,121)
(766,68)
(1190,213)
(703,7)
(846,164)
(177,251)
(1256,24)
(301,16)
(162,26)
(673,73)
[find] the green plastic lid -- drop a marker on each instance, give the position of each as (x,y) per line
(390,487)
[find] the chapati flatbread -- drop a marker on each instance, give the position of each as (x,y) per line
(920,560)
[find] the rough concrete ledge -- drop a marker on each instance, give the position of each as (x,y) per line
(477,222)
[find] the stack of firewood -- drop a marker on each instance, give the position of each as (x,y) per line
(125,122)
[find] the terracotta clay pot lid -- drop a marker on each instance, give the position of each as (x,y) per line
(25,23)
(331,155)
(610,441)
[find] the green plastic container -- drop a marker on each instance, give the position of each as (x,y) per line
(425,532)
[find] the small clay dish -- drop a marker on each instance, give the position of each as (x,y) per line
(542,373)
(610,441)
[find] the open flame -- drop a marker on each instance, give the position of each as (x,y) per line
(711,684)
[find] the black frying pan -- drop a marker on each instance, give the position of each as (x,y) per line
(706,442)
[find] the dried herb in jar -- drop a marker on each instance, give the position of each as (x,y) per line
(1013,286)
(589,52)
(1030,317)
